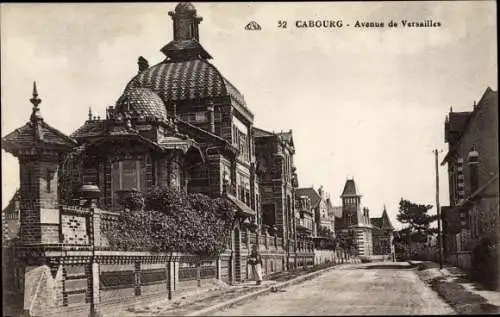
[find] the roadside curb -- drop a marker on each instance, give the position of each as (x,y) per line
(220,306)
(462,300)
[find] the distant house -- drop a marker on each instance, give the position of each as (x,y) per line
(314,199)
(277,180)
(383,235)
(305,223)
(354,223)
(321,206)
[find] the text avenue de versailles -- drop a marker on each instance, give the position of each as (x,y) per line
(334,23)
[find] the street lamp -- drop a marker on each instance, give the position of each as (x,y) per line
(89,193)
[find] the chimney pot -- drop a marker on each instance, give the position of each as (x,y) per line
(143,64)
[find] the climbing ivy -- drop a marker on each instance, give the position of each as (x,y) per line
(170,220)
(70,174)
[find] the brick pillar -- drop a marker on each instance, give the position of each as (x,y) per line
(137,271)
(95,283)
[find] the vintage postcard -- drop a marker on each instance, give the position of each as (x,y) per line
(251,158)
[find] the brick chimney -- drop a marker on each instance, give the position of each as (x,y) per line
(143,64)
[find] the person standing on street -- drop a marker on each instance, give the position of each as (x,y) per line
(255,260)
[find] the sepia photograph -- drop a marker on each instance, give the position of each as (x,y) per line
(250,158)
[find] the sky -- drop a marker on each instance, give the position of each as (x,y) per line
(363,103)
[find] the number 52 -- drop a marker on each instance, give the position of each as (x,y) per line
(282,24)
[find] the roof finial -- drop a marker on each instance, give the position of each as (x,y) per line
(35,114)
(451,109)
(474,104)
(90,114)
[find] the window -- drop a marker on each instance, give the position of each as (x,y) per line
(452,183)
(247,198)
(201,116)
(218,116)
(126,175)
(48,179)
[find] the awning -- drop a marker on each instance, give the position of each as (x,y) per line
(300,227)
(184,145)
(247,211)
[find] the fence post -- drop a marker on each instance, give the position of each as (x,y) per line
(137,272)
(230,269)
(169,278)
(198,272)
(218,263)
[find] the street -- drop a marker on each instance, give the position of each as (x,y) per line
(368,289)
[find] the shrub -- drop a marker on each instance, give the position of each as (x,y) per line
(174,221)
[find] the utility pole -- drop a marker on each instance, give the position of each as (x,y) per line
(440,238)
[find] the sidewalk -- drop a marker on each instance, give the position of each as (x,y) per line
(202,302)
(454,286)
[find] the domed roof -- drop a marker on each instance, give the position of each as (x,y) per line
(184,80)
(185,7)
(142,99)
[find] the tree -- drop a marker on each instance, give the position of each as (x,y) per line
(416,217)
(418,222)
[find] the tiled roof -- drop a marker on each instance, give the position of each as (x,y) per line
(458,120)
(386,221)
(89,129)
(11,207)
(382,222)
(286,136)
(311,193)
(142,100)
(180,50)
(173,142)
(350,189)
(261,133)
(27,136)
(188,128)
(377,222)
(184,80)
(241,205)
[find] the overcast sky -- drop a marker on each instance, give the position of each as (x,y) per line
(362,103)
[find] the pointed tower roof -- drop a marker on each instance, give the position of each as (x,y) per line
(386,221)
(35,134)
(350,189)
(383,222)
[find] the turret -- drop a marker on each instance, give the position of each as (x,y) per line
(40,149)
